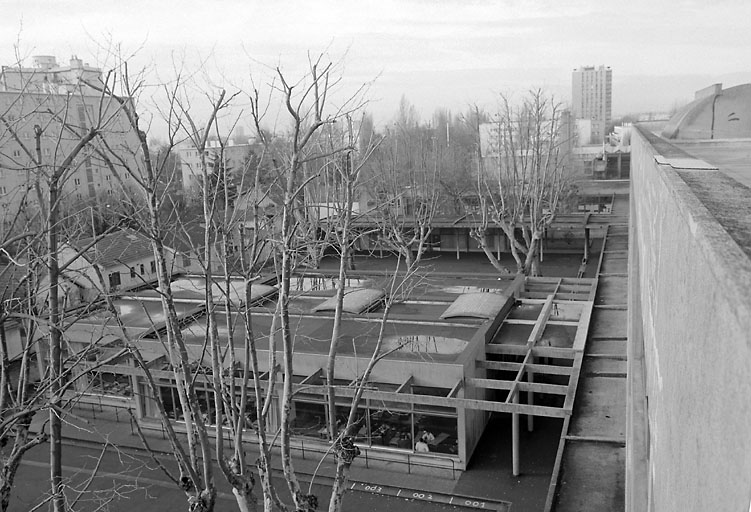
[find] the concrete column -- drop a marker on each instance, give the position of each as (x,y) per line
(531,399)
(137,398)
(515,437)
(586,244)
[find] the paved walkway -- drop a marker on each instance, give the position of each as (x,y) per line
(91,425)
(88,425)
(593,463)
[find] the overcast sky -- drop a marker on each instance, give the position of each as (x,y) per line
(448,53)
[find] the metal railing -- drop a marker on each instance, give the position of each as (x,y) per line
(315,450)
(106,406)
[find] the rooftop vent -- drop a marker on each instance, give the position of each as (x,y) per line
(356,301)
(476,305)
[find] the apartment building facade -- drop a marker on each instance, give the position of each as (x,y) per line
(230,156)
(592,99)
(44,113)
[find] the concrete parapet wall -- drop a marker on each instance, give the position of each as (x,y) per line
(694,298)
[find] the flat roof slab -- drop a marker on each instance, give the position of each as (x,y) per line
(612,290)
(525,311)
(135,313)
(617,243)
(603,366)
(608,323)
(616,264)
(621,204)
(513,334)
(598,410)
(439,343)
(730,156)
(611,347)
(595,473)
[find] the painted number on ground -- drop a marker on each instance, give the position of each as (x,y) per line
(427,496)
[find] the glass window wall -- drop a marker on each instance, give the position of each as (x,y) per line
(108,383)
(171,401)
(309,419)
(405,426)
(436,434)
(378,423)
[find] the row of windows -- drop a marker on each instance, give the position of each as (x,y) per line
(45,151)
(134,274)
(115,280)
(109,192)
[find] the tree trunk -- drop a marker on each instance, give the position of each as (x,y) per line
(532,261)
(482,240)
(345,452)
(6,486)
(509,231)
(55,355)
(339,486)
(10,464)
(264,475)
(408,257)
(535,266)
(334,344)
(245,502)
(7,475)
(288,469)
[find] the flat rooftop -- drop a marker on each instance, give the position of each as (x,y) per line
(135,313)
(415,330)
(731,157)
(439,342)
(718,172)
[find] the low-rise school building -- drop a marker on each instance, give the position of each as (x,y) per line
(458,348)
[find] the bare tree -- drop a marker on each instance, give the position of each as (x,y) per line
(49,176)
(522,178)
(320,146)
(194,461)
(18,401)
(348,175)
(457,150)
(308,109)
(404,182)
(49,139)
(347,171)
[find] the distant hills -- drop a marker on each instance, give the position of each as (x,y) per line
(457,89)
